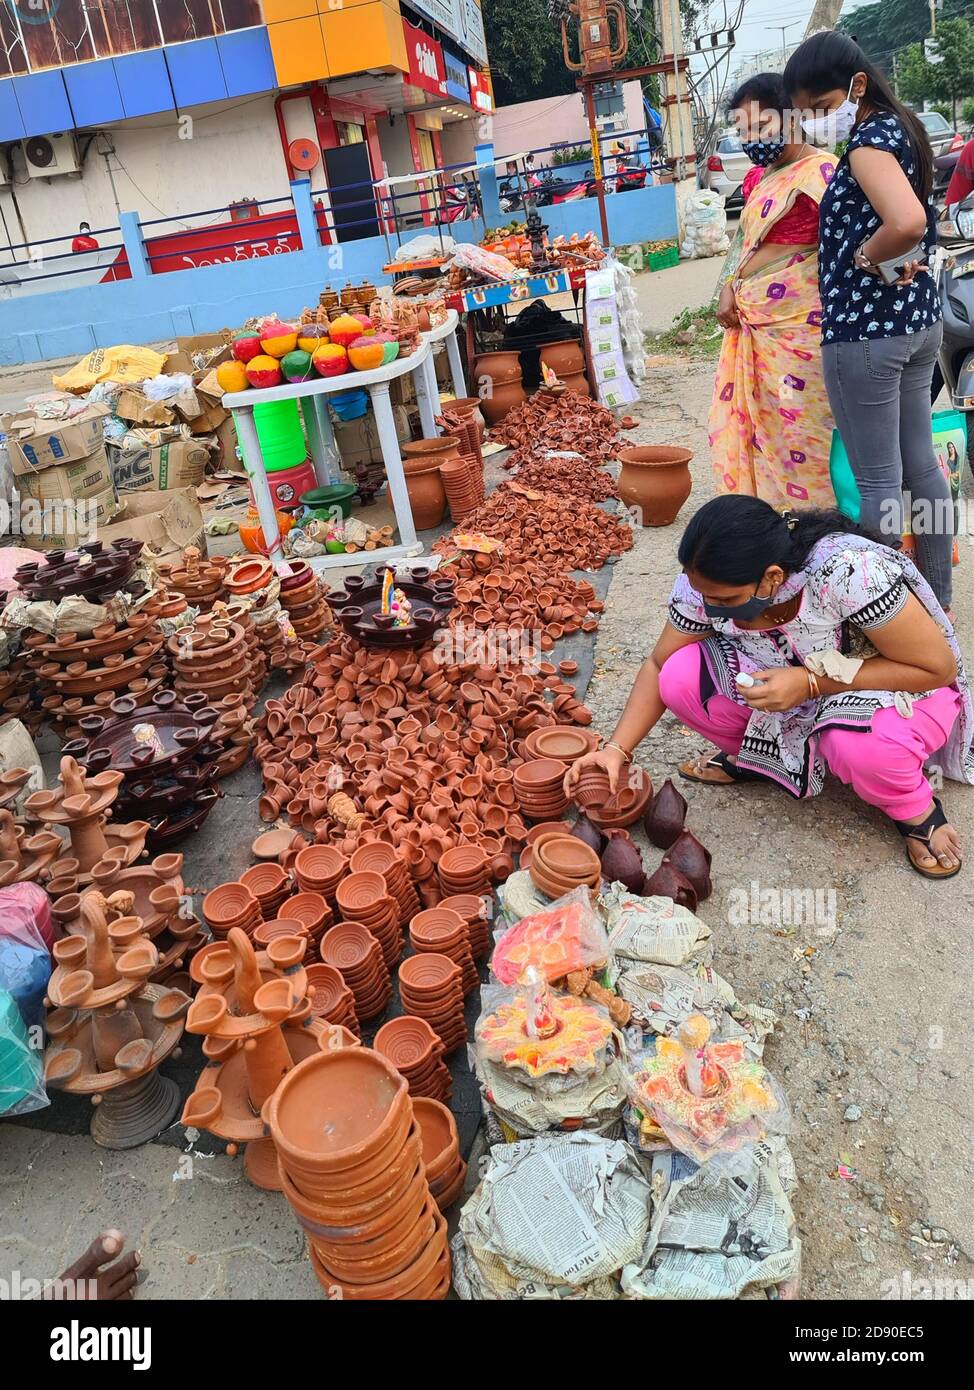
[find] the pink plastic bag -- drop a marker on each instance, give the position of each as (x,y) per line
(25,915)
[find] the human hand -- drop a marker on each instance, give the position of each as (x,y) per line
(783,687)
(608,760)
(910,270)
(727,315)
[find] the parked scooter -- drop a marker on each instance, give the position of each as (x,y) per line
(952,267)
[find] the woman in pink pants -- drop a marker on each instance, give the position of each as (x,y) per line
(799,643)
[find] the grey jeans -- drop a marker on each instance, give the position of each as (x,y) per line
(879,392)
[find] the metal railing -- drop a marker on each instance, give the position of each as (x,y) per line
(30,260)
(162,236)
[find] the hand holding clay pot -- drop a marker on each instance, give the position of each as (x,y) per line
(607,760)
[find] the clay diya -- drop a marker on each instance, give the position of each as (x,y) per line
(354,951)
(445,1168)
(415,1050)
(430,987)
(440,930)
(561,863)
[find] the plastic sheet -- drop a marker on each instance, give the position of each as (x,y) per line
(21,1065)
(566,936)
(26,935)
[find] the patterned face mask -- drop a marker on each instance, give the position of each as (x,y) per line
(763,152)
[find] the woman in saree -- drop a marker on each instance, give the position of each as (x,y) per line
(770,424)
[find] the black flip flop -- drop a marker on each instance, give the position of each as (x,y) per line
(721,760)
(924,833)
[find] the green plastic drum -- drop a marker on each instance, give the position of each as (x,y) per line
(282,443)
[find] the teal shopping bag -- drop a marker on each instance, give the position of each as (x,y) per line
(949,428)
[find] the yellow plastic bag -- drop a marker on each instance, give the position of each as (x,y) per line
(125,363)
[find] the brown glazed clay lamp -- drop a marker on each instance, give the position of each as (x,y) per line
(254,1012)
(110,1029)
(82,806)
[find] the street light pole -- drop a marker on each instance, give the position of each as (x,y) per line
(784,29)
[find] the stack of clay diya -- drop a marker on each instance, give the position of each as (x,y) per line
(380,610)
(312,911)
(158,898)
(198,580)
(416,1052)
(15,695)
(561,863)
(475,914)
(364,897)
(354,951)
(431,987)
(169,753)
(270,885)
(350,1155)
(608,810)
(539,786)
(464,869)
(79,676)
(255,1015)
(303,599)
(445,1169)
(231,906)
(93,571)
(381,858)
(212,658)
(25,858)
(81,805)
(320,869)
(331,999)
(110,1030)
(440,930)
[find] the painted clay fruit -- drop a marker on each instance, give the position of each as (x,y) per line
(278,339)
(297,366)
(330,359)
(311,336)
(264,371)
(366,353)
(245,345)
(345,329)
(232,376)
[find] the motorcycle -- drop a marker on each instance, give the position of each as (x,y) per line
(509,195)
(953,270)
(461,202)
(623,179)
(549,190)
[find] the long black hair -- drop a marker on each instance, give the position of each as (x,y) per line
(733,539)
(832,59)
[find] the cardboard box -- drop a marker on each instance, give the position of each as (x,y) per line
(358,440)
(166,521)
(62,506)
(136,409)
(215,346)
(34,443)
(174,463)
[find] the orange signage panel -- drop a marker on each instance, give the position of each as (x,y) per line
(298,50)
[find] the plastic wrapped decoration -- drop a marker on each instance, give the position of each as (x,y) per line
(567,936)
(540,1032)
(705,1098)
(21,1066)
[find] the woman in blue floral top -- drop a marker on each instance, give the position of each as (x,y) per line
(879,340)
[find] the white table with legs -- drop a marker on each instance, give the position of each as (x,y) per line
(312,396)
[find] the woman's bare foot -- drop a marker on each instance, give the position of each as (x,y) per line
(102,1272)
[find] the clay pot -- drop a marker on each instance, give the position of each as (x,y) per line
(665,816)
(565,358)
(668,882)
(427,495)
(688,856)
(655,478)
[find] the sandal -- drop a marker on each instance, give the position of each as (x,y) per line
(691,771)
(924,833)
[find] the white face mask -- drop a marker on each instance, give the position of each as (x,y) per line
(835,126)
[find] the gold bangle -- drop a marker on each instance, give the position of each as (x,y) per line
(619,749)
(813,686)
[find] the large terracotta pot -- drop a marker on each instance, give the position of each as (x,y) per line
(427,497)
(564,358)
(500,399)
(656,479)
(441,447)
(577,382)
(499,366)
(498,378)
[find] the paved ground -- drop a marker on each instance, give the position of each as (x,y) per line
(874,999)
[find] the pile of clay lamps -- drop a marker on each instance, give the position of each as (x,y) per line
(439,930)
(365,898)
(446,1171)
(519,596)
(474,911)
(302,597)
(559,533)
(562,475)
(331,998)
(560,420)
(561,863)
(353,1175)
(353,950)
(76,675)
(539,789)
(461,488)
(416,1052)
(431,987)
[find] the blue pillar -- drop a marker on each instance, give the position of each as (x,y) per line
(490,202)
(304,208)
(131,229)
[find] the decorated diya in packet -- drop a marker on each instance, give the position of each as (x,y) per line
(567,936)
(541,1032)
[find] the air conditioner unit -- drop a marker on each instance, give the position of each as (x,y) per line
(47,156)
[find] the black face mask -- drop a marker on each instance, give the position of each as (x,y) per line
(740,612)
(763,152)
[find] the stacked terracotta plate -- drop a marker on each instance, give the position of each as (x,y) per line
(270,885)
(563,742)
(331,998)
(430,986)
(350,1154)
(365,898)
(464,869)
(462,491)
(353,950)
(320,869)
(474,911)
(445,1169)
(416,1052)
(314,914)
(560,863)
(440,930)
(381,858)
(608,811)
(539,789)
(231,905)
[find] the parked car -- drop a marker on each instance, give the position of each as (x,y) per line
(943,136)
(723,171)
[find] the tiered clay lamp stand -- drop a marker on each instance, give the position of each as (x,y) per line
(12,783)
(15,694)
(254,1013)
(213,659)
(303,599)
(160,900)
(254,582)
(366,609)
(170,753)
(79,675)
(198,580)
(350,1154)
(82,806)
(25,858)
(110,1030)
(92,571)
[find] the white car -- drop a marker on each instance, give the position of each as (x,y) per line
(723,171)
